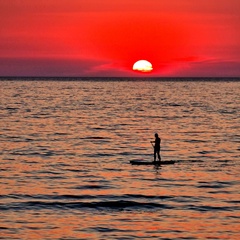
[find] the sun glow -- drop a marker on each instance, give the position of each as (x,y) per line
(142,66)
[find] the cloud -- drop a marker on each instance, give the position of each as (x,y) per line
(209,68)
(46,66)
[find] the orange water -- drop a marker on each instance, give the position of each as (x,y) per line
(66,147)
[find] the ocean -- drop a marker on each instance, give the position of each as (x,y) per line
(65,147)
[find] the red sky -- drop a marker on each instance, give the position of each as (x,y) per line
(106,37)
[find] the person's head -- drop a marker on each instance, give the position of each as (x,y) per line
(156,135)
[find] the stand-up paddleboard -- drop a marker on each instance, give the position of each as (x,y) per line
(138,162)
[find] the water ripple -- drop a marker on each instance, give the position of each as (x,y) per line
(66,147)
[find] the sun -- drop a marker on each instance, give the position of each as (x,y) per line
(142,66)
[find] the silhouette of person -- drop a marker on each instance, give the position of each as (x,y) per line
(157,147)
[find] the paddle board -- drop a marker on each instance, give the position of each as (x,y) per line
(138,162)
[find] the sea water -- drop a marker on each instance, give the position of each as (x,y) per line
(65,152)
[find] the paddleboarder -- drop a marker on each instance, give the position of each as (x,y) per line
(157,147)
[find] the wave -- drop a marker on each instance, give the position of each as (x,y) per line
(117,205)
(82,197)
(129,202)
(111,205)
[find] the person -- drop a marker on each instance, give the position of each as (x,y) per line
(157,146)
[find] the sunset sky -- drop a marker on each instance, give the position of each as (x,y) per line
(106,37)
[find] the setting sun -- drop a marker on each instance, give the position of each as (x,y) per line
(142,66)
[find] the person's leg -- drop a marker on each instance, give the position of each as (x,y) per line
(159,157)
(155,153)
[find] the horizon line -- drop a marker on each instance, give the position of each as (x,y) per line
(237,78)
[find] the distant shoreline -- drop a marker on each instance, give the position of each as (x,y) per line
(160,79)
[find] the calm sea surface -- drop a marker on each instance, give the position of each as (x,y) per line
(65,148)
